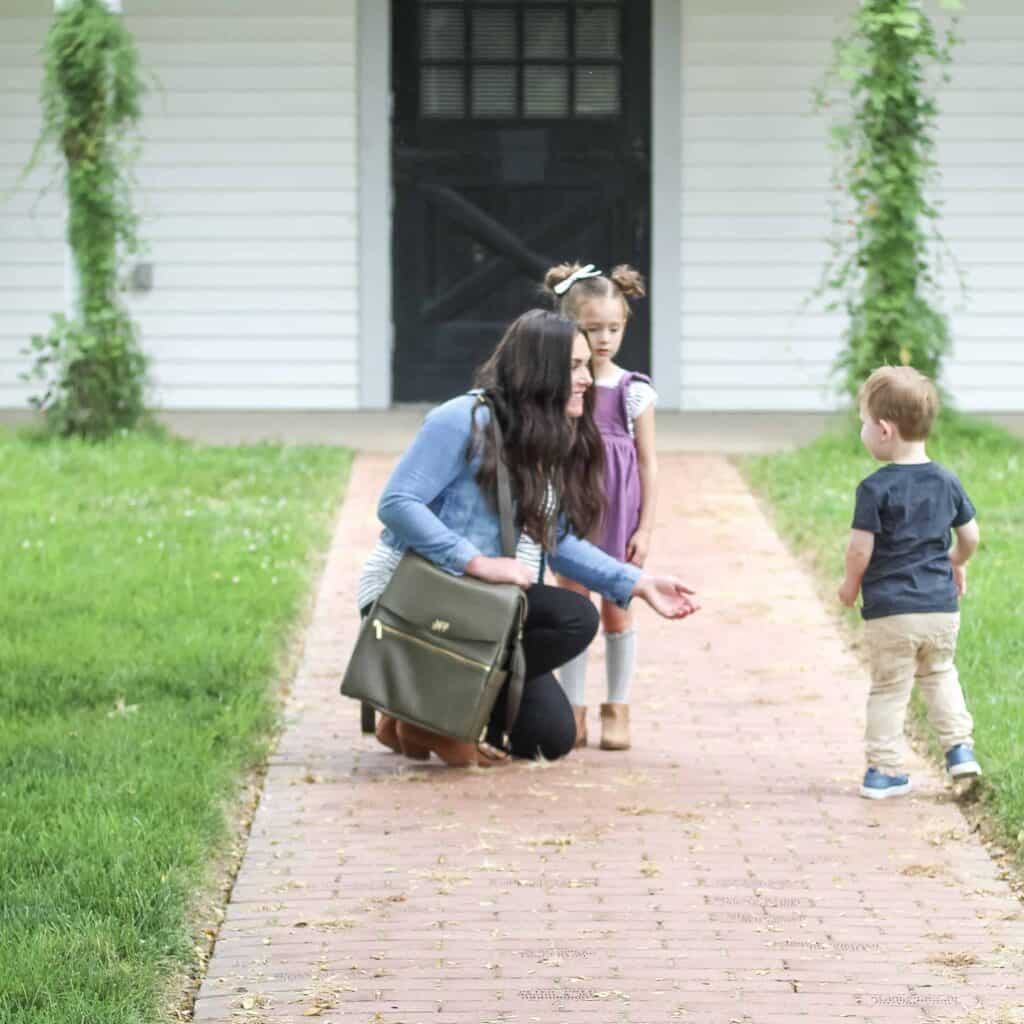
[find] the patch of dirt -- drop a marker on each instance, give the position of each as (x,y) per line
(954,959)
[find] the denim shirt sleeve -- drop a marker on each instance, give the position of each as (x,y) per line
(436,458)
(587,564)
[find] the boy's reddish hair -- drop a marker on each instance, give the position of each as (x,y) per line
(903,396)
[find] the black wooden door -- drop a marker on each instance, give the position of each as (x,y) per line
(521,139)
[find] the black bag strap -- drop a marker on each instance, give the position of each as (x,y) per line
(517,661)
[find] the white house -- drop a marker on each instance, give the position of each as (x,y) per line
(345,199)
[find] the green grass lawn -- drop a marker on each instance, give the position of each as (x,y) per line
(812,493)
(149,591)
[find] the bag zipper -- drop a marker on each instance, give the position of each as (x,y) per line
(379,629)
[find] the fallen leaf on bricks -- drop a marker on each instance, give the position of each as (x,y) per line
(557,841)
(649,870)
(922,870)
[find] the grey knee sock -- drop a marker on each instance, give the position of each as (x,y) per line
(620,658)
(573,677)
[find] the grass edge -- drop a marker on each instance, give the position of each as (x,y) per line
(207,907)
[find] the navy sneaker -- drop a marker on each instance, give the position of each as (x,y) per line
(960,762)
(879,786)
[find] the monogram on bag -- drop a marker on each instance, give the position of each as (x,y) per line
(436,649)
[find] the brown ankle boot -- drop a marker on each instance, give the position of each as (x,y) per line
(409,743)
(579,712)
(454,753)
(387,733)
(615,727)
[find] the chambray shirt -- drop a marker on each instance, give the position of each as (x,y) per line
(433,504)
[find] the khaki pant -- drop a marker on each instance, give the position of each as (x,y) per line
(903,649)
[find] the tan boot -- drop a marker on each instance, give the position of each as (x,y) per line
(615,727)
(579,712)
(419,743)
(387,733)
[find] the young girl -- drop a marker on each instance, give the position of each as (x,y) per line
(624,412)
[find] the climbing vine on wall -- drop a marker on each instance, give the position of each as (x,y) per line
(91,366)
(882,81)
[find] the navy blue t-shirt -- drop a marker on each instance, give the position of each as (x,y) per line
(911,511)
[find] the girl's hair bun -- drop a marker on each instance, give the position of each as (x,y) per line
(556,275)
(628,279)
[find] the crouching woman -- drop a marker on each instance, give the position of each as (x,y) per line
(441,502)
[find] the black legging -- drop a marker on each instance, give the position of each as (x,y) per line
(559,625)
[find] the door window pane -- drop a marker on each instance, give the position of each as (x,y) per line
(442,92)
(514,58)
(545,91)
(442,33)
(597,31)
(597,90)
(546,34)
(494,91)
(494,34)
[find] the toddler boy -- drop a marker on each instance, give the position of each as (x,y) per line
(900,560)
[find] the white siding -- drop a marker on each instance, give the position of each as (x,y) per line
(247,190)
(31,224)
(248,193)
(756,167)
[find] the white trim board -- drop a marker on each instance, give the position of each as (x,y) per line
(666,201)
(376,329)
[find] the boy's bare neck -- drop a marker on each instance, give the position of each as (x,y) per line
(909,453)
(602,371)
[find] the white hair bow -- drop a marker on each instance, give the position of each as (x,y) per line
(577,275)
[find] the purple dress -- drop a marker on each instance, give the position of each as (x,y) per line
(621,473)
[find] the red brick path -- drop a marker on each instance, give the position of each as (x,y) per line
(724,870)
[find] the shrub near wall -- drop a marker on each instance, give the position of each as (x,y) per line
(91,367)
(880,267)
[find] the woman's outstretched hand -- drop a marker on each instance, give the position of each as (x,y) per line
(666,595)
(499,570)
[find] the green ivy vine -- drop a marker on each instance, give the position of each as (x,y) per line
(881,79)
(92,367)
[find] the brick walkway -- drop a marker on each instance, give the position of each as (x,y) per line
(724,870)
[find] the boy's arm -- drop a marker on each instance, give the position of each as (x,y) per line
(967,537)
(647,468)
(858,555)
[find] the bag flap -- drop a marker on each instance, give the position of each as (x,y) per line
(455,607)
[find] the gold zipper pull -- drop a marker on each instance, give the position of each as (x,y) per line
(378,629)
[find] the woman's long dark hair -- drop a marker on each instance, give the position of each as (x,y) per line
(529,380)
